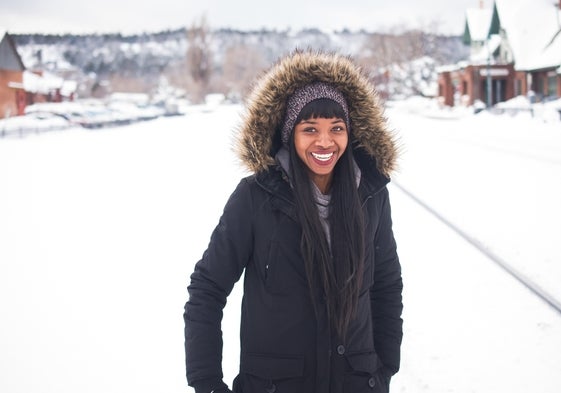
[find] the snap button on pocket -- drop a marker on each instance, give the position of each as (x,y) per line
(372,382)
(271,389)
(341,350)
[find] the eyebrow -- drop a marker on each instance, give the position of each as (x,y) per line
(314,121)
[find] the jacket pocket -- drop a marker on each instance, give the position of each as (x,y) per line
(271,374)
(283,269)
(363,361)
(363,374)
(270,265)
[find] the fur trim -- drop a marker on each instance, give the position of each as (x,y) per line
(266,107)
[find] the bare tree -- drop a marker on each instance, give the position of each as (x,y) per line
(402,61)
(241,65)
(199,58)
(131,84)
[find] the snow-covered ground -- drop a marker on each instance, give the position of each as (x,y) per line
(469,327)
(99,232)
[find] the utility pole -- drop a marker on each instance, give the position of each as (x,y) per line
(489,79)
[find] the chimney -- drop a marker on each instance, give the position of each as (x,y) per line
(482,5)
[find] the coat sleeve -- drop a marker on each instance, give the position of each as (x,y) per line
(212,281)
(386,291)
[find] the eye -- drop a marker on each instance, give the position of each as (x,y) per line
(309,130)
(338,129)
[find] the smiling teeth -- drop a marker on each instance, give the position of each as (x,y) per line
(322,157)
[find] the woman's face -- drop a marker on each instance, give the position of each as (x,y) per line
(320,143)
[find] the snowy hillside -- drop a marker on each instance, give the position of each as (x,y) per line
(143,61)
(101,53)
(100,230)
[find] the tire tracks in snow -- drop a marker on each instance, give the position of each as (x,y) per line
(520,277)
(540,158)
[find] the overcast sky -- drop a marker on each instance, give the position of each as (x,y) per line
(128,17)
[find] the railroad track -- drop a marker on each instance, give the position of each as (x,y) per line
(520,277)
(548,158)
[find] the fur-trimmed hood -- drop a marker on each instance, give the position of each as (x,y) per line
(258,137)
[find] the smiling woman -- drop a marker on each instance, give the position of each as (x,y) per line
(319,144)
(320,139)
(311,231)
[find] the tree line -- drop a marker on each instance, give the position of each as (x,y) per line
(198,60)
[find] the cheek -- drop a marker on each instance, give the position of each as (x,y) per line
(300,148)
(342,142)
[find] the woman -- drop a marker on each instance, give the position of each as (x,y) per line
(311,229)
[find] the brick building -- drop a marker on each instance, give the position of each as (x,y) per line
(515,49)
(20,87)
(12,100)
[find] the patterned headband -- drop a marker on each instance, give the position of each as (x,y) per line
(302,97)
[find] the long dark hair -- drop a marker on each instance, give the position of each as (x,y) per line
(338,269)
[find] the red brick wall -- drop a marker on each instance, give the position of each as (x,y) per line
(8,101)
(470,80)
(446,89)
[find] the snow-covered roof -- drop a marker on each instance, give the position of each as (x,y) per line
(550,57)
(478,22)
(68,88)
(47,83)
(41,84)
(448,68)
(487,50)
(530,26)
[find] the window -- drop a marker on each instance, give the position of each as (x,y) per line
(517,87)
(552,85)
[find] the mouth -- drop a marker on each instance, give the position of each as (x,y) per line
(323,157)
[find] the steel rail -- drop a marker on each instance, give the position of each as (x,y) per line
(520,277)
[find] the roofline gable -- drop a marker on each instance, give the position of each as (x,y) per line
(467,35)
(495,22)
(10,41)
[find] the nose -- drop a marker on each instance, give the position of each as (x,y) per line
(324,140)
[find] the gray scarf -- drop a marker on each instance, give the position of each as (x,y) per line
(322,200)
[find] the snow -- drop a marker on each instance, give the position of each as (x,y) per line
(469,327)
(88,113)
(43,84)
(19,126)
(530,26)
(551,56)
(100,231)
(130,98)
(485,53)
(479,21)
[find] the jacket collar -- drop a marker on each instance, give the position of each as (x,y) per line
(276,183)
(372,180)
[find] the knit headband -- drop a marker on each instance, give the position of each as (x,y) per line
(302,97)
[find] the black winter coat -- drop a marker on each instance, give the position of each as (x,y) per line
(285,345)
